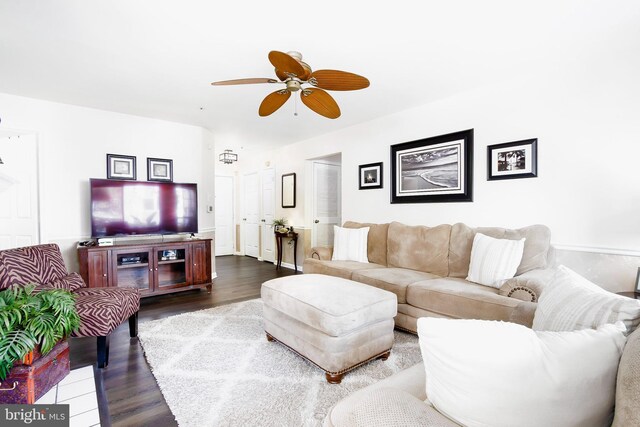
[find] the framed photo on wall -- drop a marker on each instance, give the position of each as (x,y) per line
(433,170)
(121,167)
(159,169)
(637,291)
(370,176)
(512,160)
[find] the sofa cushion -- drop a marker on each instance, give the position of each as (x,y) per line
(101,310)
(377,240)
(536,246)
(32,264)
(342,269)
(391,279)
(329,304)
(350,244)
(494,260)
(384,407)
(419,248)
(458,298)
(628,385)
(571,302)
(483,373)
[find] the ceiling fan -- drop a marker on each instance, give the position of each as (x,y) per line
(293,73)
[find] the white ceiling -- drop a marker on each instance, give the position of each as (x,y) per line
(156,58)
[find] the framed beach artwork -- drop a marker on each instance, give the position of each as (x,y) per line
(512,160)
(433,170)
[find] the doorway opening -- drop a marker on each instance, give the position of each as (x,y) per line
(326,197)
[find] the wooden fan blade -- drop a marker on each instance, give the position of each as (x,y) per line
(320,102)
(338,80)
(273,101)
(285,64)
(243,81)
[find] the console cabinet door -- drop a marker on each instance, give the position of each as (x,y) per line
(98,269)
(133,268)
(171,269)
(200,263)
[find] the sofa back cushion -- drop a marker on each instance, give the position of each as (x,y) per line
(536,246)
(419,248)
(377,240)
(41,264)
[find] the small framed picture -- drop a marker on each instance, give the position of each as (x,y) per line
(121,167)
(370,176)
(159,169)
(638,282)
(512,160)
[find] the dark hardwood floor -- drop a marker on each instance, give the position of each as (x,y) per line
(133,396)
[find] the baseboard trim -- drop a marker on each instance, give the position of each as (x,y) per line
(290,266)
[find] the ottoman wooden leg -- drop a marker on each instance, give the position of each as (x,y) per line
(385,356)
(333,378)
(269,337)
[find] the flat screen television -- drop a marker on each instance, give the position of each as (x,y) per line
(125,208)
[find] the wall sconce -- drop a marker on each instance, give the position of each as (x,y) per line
(228,157)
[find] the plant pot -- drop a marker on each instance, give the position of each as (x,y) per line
(27,383)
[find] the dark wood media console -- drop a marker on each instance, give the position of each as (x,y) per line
(152,268)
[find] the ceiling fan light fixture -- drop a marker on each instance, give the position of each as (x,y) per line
(294,73)
(228,157)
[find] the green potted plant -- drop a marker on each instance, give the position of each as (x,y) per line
(280,225)
(33,322)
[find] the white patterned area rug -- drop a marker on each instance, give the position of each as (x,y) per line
(215,367)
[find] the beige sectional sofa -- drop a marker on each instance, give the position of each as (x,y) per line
(401,399)
(426,268)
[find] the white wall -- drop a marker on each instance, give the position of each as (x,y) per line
(584,113)
(589,142)
(73,143)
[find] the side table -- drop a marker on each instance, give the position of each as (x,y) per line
(294,237)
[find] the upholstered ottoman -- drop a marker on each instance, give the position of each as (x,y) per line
(335,323)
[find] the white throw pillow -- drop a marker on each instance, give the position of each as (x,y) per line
(570,301)
(350,244)
(490,373)
(493,260)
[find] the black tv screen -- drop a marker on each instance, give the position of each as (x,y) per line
(135,207)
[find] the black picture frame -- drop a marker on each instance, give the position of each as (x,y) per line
(637,290)
(447,158)
(288,194)
(159,169)
(512,160)
(370,176)
(120,166)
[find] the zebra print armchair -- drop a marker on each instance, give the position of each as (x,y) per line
(101,310)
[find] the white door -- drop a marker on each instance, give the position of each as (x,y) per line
(225,227)
(19,225)
(251,216)
(326,202)
(268,213)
